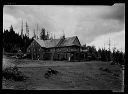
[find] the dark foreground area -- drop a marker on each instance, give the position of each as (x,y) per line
(92,75)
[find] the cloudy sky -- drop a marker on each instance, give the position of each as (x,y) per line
(93,25)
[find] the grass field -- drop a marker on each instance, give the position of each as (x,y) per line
(92,75)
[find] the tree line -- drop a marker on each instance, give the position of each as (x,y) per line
(12,42)
(115,56)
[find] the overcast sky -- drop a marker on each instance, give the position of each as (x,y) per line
(92,24)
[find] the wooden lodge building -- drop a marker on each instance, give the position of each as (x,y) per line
(55,49)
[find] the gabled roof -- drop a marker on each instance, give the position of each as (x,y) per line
(51,43)
(70,41)
(40,42)
(47,43)
(59,42)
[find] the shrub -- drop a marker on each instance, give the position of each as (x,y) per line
(50,72)
(12,73)
(105,69)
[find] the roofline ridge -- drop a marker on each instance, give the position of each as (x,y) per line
(71,37)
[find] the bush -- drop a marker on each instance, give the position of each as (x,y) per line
(105,69)
(12,73)
(50,72)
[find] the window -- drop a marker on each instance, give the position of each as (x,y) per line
(39,49)
(38,56)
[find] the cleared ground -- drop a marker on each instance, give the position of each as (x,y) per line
(72,75)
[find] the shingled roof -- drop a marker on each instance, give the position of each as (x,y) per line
(59,42)
(70,41)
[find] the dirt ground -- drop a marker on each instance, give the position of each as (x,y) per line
(71,75)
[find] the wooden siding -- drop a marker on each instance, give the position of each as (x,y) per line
(35,50)
(56,53)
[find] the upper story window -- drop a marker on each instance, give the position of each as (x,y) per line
(39,49)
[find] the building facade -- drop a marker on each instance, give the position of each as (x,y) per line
(55,49)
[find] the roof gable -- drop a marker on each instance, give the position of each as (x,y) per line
(40,42)
(76,41)
(71,41)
